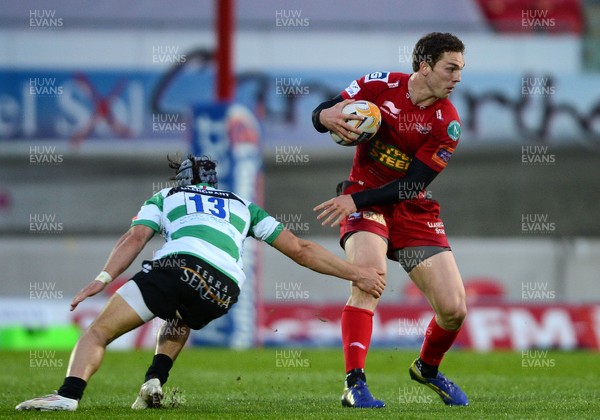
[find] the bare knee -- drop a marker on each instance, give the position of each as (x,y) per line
(99,335)
(360,299)
(452,316)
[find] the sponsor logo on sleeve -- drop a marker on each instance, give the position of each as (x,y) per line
(381,76)
(353,89)
(454,130)
(442,155)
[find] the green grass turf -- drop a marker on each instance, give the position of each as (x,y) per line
(223,383)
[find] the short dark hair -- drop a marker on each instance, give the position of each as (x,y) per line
(432,46)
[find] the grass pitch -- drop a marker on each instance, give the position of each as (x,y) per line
(307,384)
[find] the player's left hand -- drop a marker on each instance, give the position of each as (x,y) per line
(91,289)
(335,210)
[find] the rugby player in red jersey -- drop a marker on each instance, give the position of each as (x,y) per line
(384,210)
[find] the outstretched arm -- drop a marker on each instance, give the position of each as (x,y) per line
(124,252)
(312,255)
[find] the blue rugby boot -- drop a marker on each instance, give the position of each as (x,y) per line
(448,391)
(359,396)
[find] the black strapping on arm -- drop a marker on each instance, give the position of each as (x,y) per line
(417,178)
(317,112)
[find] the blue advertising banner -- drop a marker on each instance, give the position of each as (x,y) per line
(151,106)
(78,106)
(229,133)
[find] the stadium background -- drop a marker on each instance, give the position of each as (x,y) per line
(93,98)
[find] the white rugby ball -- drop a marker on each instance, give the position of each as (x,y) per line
(368,125)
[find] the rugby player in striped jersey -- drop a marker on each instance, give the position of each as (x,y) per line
(193,279)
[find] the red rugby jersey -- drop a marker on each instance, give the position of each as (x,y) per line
(429,133)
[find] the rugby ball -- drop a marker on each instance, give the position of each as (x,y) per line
(368,125)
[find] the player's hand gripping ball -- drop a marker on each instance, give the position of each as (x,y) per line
(368,125)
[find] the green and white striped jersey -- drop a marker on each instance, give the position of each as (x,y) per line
(208,223)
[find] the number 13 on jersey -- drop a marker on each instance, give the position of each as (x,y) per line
(199,203)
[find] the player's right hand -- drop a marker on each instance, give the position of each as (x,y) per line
(335,120)
(370,280)
(91,289)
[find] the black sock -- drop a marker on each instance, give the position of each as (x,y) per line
(353,376)
(160,367)
(72,387)
(428,371)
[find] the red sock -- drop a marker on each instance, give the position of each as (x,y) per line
(357,328)
(436,344)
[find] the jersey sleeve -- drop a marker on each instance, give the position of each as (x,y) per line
(367,87)
(263,226)
(443,139)
(150,213)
